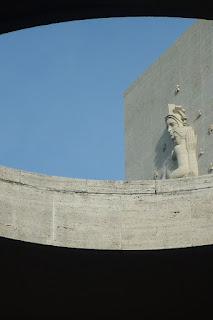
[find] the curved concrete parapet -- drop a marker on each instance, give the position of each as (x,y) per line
(133,215)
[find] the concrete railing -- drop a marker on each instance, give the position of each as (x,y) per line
(133,215)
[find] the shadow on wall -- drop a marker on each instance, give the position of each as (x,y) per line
(163,151)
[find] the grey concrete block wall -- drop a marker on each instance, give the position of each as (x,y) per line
(136,215)
(189,63)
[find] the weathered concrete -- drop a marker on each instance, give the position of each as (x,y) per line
(189,64)
(106,214)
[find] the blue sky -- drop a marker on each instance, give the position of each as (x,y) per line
(62,85)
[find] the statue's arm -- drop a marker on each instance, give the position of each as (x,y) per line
(191,140)
(191,144)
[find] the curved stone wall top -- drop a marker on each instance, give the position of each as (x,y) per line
(124,215)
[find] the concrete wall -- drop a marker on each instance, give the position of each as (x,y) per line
(106,214)
(189,63)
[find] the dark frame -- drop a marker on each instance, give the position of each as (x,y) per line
(25,13)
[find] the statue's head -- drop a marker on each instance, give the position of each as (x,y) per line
(176,122)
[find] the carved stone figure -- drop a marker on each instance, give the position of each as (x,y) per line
(185,143)
(210,129)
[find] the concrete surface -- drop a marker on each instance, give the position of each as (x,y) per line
(106,214)
(189,63)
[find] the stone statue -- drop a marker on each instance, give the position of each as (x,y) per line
(185,143)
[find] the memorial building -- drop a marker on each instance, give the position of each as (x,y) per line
(182,76)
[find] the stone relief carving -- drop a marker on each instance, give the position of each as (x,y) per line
(185,143)
(210,129)
(177,89)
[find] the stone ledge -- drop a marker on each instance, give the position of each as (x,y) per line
(114,215)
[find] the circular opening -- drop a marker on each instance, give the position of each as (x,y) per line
(62,86)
